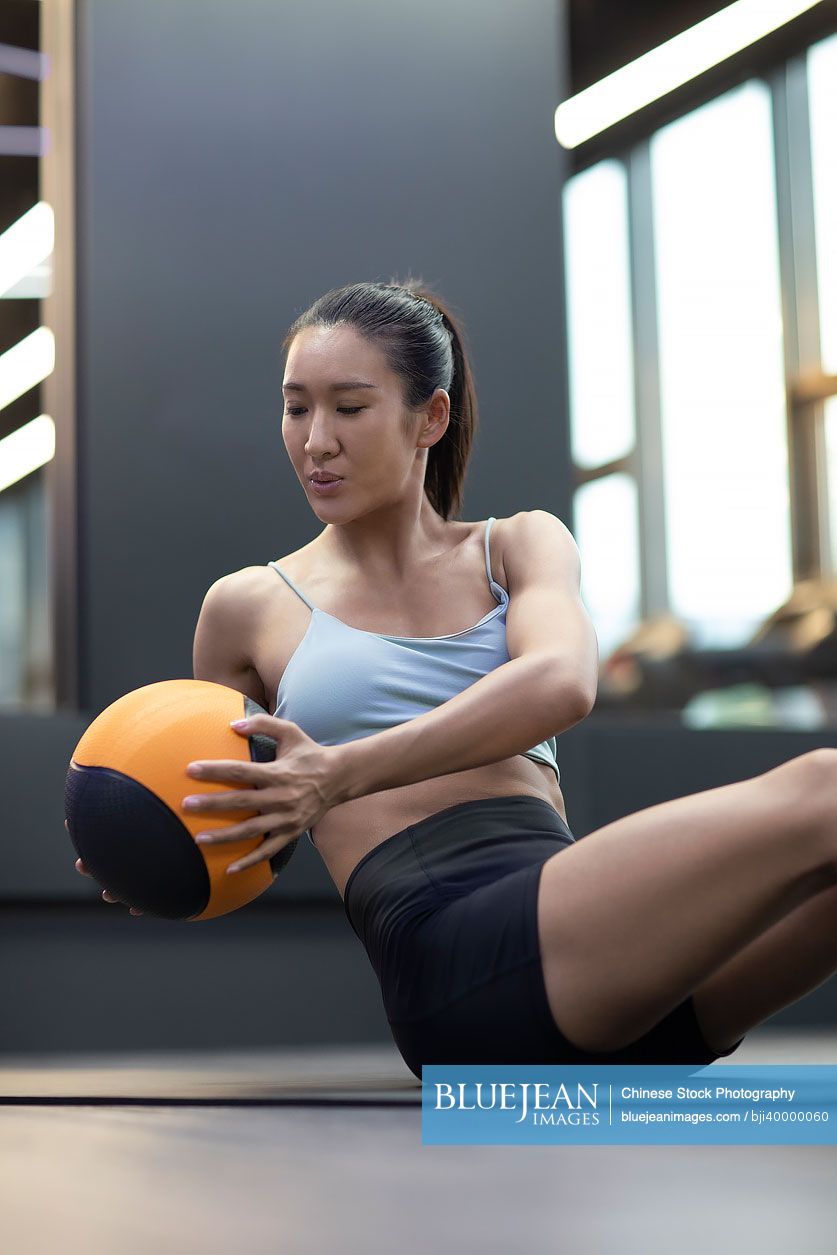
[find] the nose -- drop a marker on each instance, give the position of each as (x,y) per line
(320,439)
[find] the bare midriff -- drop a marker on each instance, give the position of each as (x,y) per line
(351,829)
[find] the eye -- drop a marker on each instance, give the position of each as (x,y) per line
(343,409)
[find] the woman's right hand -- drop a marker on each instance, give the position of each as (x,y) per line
(108,897)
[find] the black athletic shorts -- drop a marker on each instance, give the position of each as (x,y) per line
(447,913)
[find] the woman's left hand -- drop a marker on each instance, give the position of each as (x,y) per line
(290,794)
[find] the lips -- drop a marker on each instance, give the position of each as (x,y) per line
(324,479)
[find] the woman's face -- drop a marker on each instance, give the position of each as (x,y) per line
(355,432)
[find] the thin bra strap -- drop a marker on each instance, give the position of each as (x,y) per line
(491,579)
(288,580)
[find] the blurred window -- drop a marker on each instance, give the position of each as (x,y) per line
(684,295)
(599,315)
(27,358)
(721,366)
(822,102)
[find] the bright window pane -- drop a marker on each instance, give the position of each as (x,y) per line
(721,366)
(25,639)
(598,315)
(606,532)
(830,420)
(822,89)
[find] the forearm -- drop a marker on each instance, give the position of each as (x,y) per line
(518,705)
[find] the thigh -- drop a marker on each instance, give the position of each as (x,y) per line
(634,916)
(478,995)
(449,904)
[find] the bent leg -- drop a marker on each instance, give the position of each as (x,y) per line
(636,915)
(788,961)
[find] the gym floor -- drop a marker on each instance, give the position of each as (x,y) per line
(320,1152)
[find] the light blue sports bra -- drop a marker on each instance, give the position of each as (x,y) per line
(342,683)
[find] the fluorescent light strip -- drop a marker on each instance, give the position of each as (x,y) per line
(24,450)
(24,141)
(668,66)
(26,364)
(24,62)
(25,244)
(34,286)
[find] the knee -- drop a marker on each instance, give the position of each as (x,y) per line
(814,769)
(809,783)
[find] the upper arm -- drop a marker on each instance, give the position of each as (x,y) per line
(545,613)
(221,647)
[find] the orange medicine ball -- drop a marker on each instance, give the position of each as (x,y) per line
(124,792)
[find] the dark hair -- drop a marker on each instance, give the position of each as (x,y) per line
(424,345)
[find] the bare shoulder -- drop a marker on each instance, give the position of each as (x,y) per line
(240,601)
(536,523)
(530,536)
(237,594)
(227,628)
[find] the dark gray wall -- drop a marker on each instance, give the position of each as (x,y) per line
(235,162)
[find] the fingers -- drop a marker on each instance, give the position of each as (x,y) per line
(226,770)
(263,852)
(225,806)
(241,832)
(108,897)
(79,865)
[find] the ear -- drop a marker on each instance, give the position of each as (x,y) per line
(437,418)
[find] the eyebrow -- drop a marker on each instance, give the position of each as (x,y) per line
(335,387)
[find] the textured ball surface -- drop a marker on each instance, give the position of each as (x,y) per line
(123,800)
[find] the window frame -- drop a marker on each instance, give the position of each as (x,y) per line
(807,386)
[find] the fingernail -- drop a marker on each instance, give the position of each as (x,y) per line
(233,867)
(238,723)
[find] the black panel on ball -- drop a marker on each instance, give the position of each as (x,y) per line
(262,747)
(133,844)
(263,750)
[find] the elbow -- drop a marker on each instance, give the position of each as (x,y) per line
(587,704)
(573,694)
(584,704)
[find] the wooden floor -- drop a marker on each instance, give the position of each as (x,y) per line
(320,1152)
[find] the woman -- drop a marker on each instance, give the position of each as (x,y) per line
(423,668)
